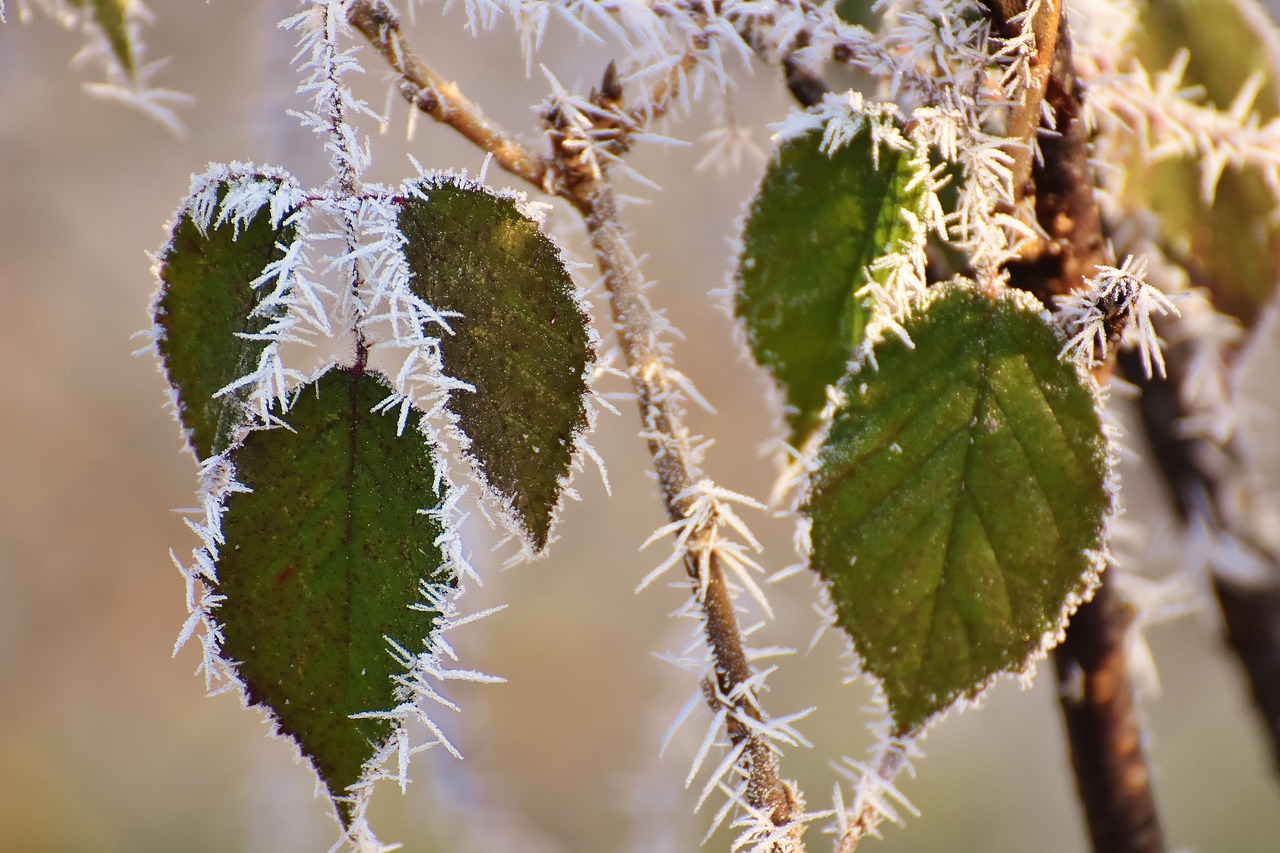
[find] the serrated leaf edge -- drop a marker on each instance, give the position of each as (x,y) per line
(270,380)
(434,386)
(882,319)
(1098,561)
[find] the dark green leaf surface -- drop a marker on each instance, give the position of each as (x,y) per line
(322,559)
(814,227)
(1233,245)
(205,300)
(955,498)
(522,340)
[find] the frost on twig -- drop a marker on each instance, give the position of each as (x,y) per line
(1116,300)
(1170,119)
(875,796)
(739,732)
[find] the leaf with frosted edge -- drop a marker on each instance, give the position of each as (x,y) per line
(814,227)
(205,301)
(522,341)
(1233,245)
(322,562)
(959,500)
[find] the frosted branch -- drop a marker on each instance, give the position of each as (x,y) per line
(588,135)
(1170,120)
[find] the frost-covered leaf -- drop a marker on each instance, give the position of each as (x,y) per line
(959,500)
(205,302)
(1232,245)
(322,562)
(522,341)
(815,226)
(111,18)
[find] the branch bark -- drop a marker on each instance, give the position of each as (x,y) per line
(1250,611)
(1062,182)
(1095,691)
(440,98)
(592,196)
(1105,735)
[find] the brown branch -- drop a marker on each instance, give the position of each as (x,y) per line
(1095,691)
(1250,611)
(1024,116)
(565,175)
(1065,202)
(441,99)
(677,477)
(1103,729)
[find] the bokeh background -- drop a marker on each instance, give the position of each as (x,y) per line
(107,743)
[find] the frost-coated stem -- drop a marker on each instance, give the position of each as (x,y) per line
(1095,689)
(1008,18)
(1098,704)
(765,792)
(866,816)
(441,99)
(677,476)
(1066,203)
(1250,608)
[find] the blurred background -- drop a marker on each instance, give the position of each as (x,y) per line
(107,743)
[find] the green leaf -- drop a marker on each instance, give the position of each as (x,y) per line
(521,341)
(1233,245)
(322,561)
(815,226)
(205,301)
(959,500)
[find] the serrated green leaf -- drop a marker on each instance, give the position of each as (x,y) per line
(321,563)
(957,499)
(816,224)
(205,300)
(111,18)
(521,341)
(1233,245)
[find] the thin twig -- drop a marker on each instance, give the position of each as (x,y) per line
(637,328)
(1065,201)
(441,99)
(868,815)
(677,476)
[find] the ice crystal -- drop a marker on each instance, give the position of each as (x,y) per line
(1116,300)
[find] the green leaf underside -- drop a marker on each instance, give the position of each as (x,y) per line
(322,560)
(522,341)
(815,225)
(206,299)
(956,495)
(1233,245)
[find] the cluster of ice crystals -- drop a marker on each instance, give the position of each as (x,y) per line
(1170,119)
(1117,299)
